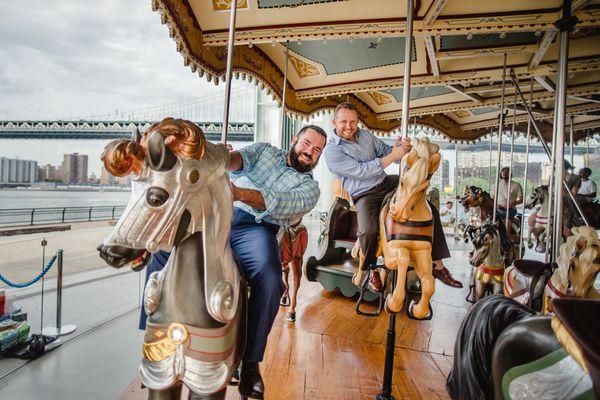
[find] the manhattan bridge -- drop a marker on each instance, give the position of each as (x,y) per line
(206,111)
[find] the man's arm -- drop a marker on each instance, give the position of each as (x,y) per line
(290,203)
(344,165)
(252,197)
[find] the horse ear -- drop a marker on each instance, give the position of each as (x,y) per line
(412,157)
(434,162)
(159,157)
(136,136)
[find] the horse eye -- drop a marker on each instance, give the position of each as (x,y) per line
(156,196)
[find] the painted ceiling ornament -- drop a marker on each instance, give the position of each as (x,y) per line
(303,68)
(380,98)
(225,5)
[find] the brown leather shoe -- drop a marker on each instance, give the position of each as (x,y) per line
(446,277)
(374,284)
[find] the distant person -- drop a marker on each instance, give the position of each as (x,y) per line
(447,214)
(588,187)
(573,180)
(512,191)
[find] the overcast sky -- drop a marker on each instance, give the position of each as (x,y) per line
(65,58)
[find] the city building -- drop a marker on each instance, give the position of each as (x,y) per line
(49,172)
(75,168)
(15,170)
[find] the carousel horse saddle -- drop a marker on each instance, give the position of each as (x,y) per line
(580,319)
(536,271)
(343,225)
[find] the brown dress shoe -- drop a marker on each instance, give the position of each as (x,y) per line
(374,284)
(446,277)
(251,383)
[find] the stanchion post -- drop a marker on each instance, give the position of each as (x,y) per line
(59,329)
(390,342)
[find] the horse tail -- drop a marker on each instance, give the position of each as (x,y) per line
(471,374)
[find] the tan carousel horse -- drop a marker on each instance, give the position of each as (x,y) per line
(406,228)
(578,265)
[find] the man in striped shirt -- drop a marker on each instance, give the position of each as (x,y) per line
(270,188)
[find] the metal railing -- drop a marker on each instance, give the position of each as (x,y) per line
(57,215)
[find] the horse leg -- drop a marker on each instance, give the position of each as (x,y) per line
(172,393)
(479,289)
(285,298)
(423,268)
(215,396)
(357,278)
(394,301)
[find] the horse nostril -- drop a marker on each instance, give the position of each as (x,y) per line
(156,196)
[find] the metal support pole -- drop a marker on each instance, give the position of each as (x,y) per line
(390,343)
(500,132)
(59,329)
(407,64)
(456,185)
(526,168)
(44,243)
(490,170)
(230,43)
(546,148)
(512,149)
(587,149)
(283,91)
(571,141)
(565,25)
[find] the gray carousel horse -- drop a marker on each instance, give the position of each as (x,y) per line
(181,202)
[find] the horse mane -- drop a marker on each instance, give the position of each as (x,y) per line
(123,156)
(569,249)
(471,374)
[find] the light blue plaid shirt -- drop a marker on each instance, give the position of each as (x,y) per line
(287,192)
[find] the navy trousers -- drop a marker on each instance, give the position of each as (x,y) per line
(257,251)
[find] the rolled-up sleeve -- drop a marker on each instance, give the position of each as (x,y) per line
(250,156)
(342,164)
(285,205)
(381,148)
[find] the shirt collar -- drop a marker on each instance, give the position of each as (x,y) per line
(337,139)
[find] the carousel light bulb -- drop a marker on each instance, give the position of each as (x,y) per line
(251,45)
(470,36)
(273,43)
(379,39)
(502,35)
(538,33)
(351,40)
(325,41)
(299,42)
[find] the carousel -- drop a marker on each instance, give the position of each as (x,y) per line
(464,71)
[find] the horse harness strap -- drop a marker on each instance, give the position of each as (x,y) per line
(494,270)
(208,345)
(410,230)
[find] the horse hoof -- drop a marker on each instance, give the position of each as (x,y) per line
(529,245)
(411,314)
(386,306)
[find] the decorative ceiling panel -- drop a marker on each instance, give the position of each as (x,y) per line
(341,56)
(353,50)
(291,3)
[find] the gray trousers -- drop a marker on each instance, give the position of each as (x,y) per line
(368,205)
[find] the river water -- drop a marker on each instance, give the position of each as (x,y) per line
(25,198)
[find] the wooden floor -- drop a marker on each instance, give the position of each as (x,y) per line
(332,353)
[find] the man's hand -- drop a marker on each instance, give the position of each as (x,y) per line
(402,148)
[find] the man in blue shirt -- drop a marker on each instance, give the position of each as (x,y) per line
(270,188)
(358,159)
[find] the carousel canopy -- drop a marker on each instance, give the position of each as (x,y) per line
(353,50)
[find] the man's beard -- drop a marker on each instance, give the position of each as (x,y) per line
(297,164)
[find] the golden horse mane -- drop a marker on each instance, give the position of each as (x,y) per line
(123,156)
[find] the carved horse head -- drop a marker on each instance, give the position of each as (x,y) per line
(578,264)
(181,202)
(539,195)
(488,245)
(473,196)
(417,168)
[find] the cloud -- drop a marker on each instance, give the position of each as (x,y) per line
(67,59)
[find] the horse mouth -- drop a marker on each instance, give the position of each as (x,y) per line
(124,257)
(478,256)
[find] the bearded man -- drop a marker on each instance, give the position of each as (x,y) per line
(271,187)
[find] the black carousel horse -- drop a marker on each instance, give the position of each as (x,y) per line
(504,350)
